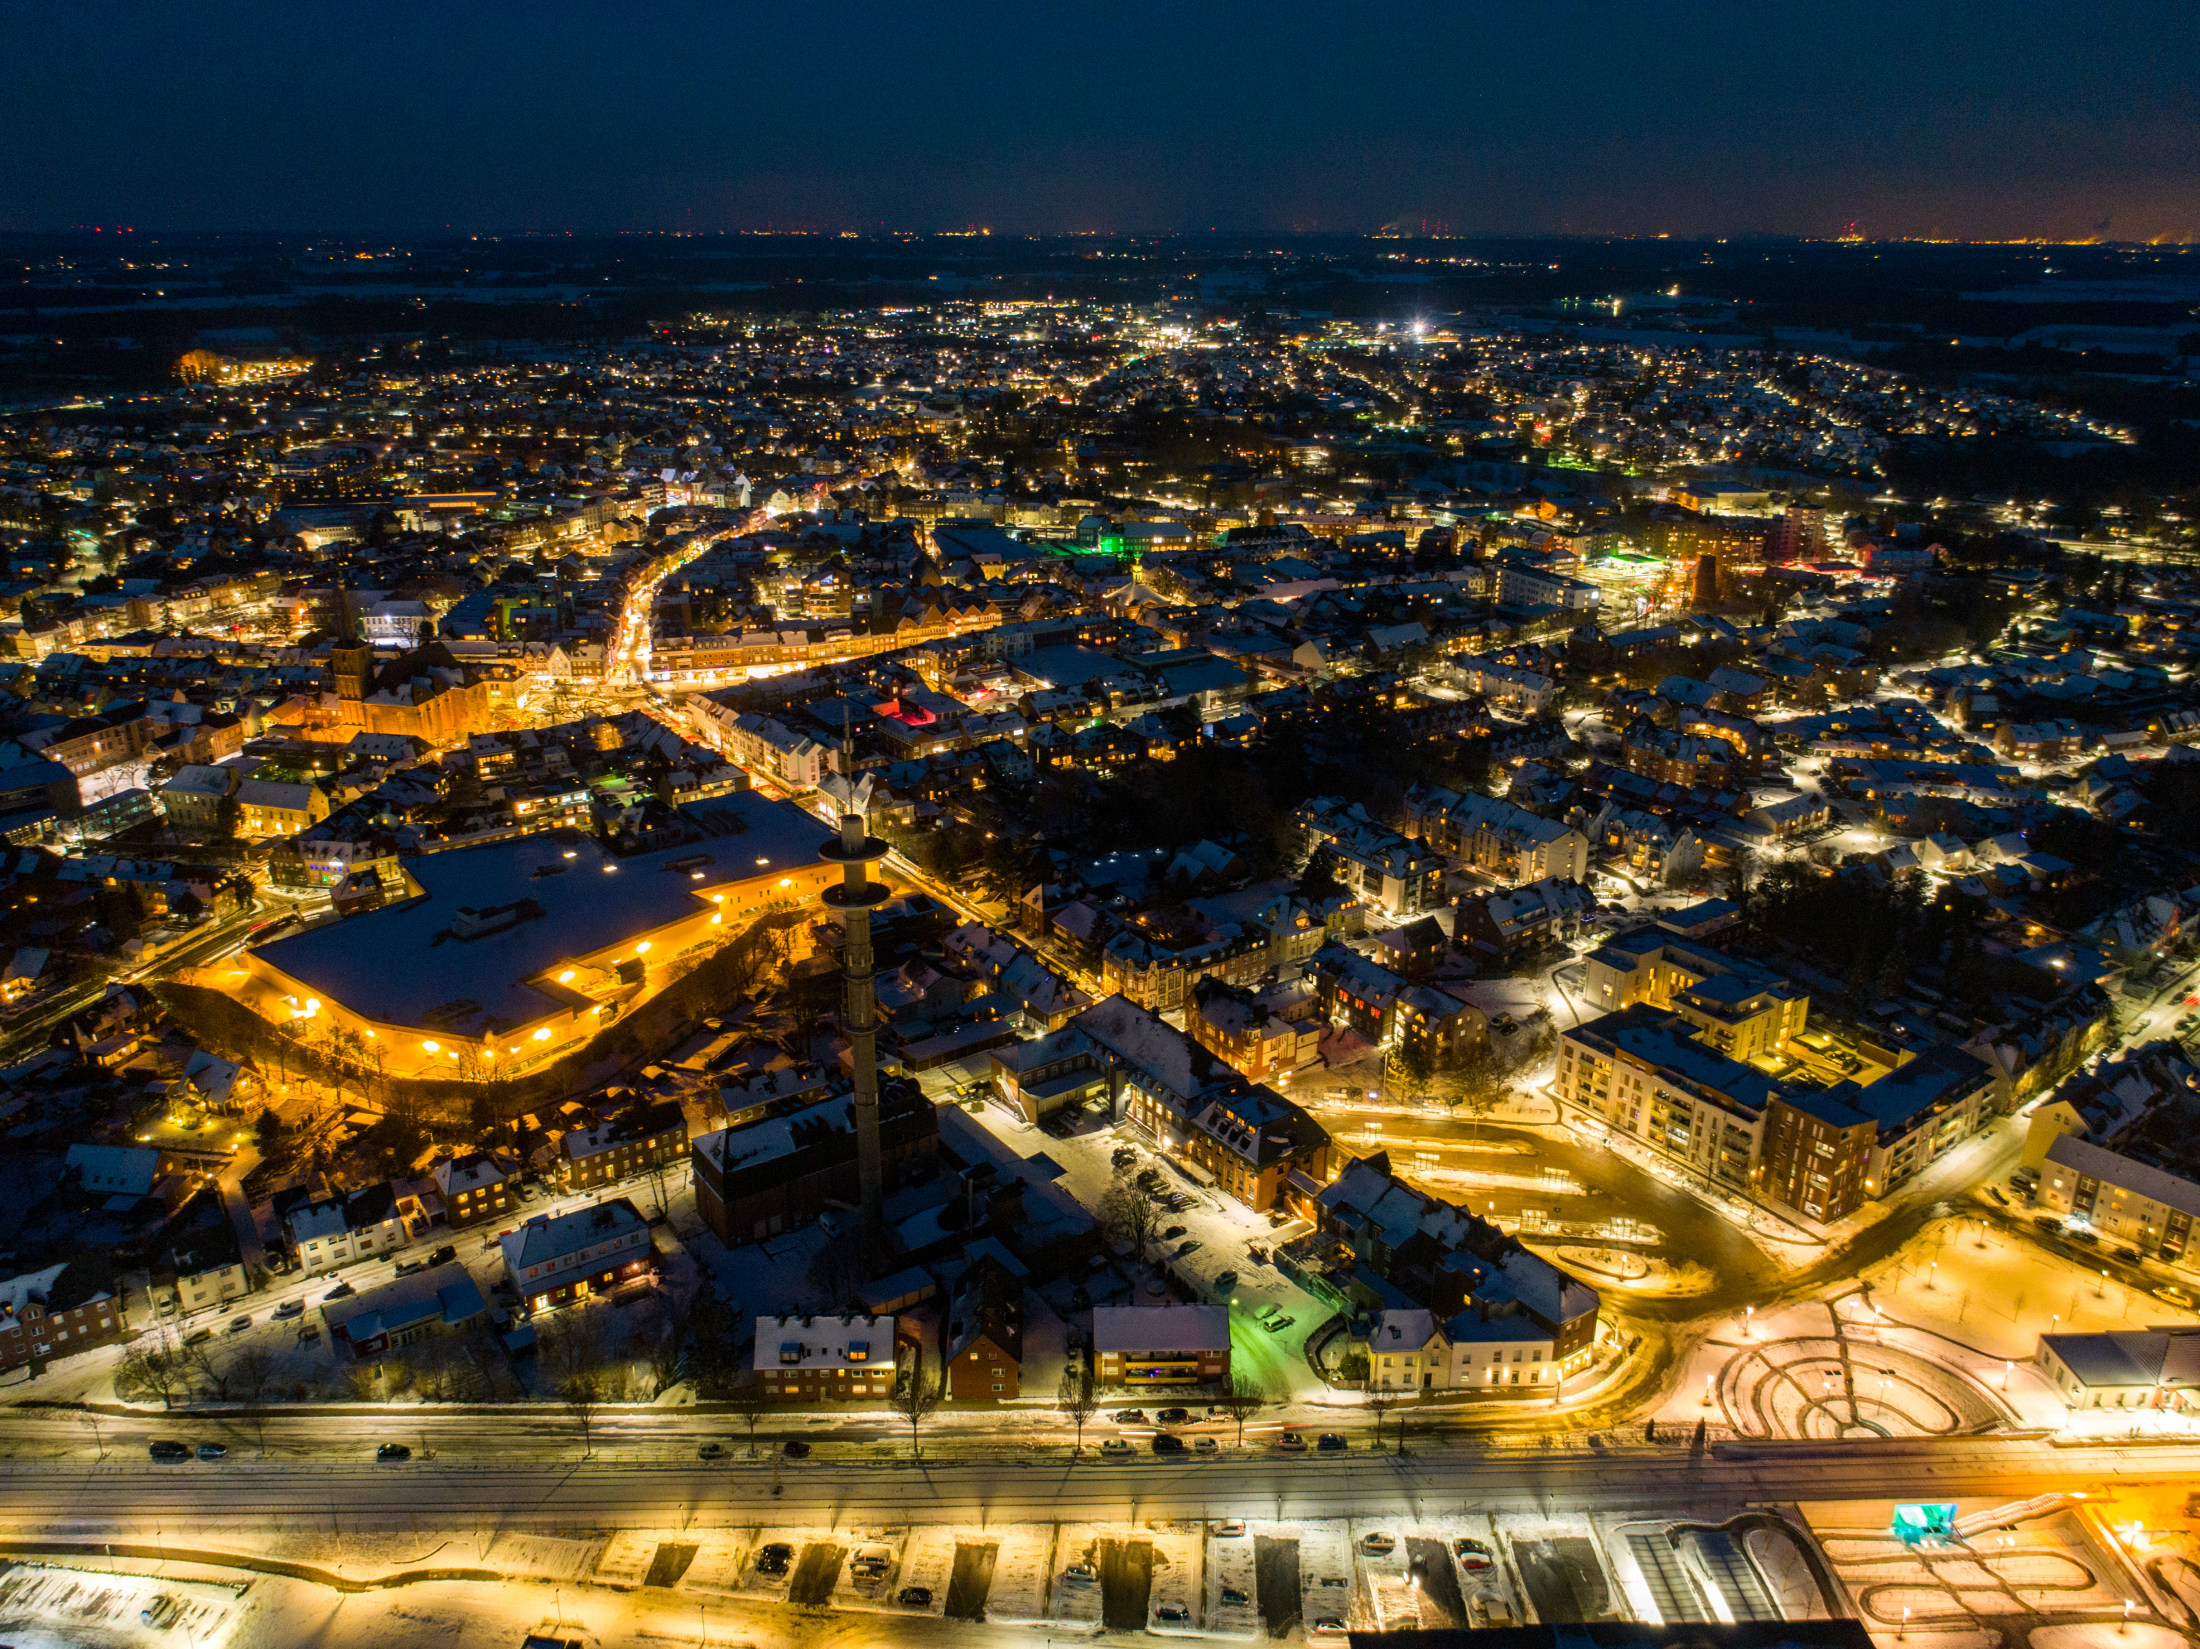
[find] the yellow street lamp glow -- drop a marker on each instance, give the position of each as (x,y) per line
(642,949)
(786,881)
(432,1047)
(566,978)
(543,1035)
(715,920)
(487,1054)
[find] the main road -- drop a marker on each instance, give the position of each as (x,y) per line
(194,1497)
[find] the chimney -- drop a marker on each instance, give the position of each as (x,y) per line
(855,852)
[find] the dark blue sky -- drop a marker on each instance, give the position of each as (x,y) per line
(1931,117)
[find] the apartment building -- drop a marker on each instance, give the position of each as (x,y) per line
(555,1260)
(2127,1201)
(643,1138)
(1642,1073)
(824,1359)
(57,1312)
(1161,1345)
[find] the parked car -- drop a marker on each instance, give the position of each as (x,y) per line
(1329,1626)
(1172,1233)
(411,1268)
(237,1325)
(871,1563)
(1291,1443)
(914,1597)
(342,1291)
(1205,1445)
(1123,1156)
(213,1451)
(2086,1235)
(198,1336)
(1130,1417)
(1235,1596)
(1232,1530)
(1081,1574)
(1378,1545)
(2175,1296)
(2130,1256)
(1166,1442)
(1174,1613)
(1191,1247)
(711,1451)
(1225,1282)
(1115,1445)
(1276,1325)
(1173,1417)
(1472,1554)
(1331,1442)
(795,1449)
(165,1449)
(289,1309)
(394,1451)
(1492,1611)
(444,1255)
(773,1559)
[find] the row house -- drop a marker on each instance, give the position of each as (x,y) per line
(1386,1008)
(643,1139)
(1504,842)
(56,1312)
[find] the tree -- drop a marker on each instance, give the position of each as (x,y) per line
(152,1373)
(1249,1393)
(1380,1403)
(1412,1069)
(1077,1400)
(198,1360)
(251,1371)
(747,1401)
(579,1394)
(1479,1086)
(269,1127)
(713,1345)
(915,1398)
(1128,1215)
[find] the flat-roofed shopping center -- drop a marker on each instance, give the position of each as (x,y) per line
(517,953)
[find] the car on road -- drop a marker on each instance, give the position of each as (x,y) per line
(2086,1235)
(711,1451)
(198,1336)
(166,1449)
(2130,1256)
(1378,1544)
(914,1597)
(342,1291)
(1115,1445)
(2175,1296)
(393,1451)
(411,1268)
(1130,1417)
(1191,1247)
(1172,1233)
(1205,1445)
(1472,1554)
(443,1256)
(1331,1442)
(1291,1443)
(773,1558)
(213,1451)
(289,1309)
(2050,1223)
(795,1449)
(1276,1325)
(1165,1442)
(1081,1574)
(237,1325)
(1173,1417)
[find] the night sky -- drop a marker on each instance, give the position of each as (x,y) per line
(1954,118)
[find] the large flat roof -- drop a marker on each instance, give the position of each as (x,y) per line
(399,964)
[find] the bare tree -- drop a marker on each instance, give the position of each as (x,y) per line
(579,1395)
(666,1360)
(915,1398)
(1077,1400)
(1249,1393)
(749,1404)
(1380,1403)
(251,1371)
(153,1371)
(1128,1215)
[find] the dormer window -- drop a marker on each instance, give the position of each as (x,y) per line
(790,1351)
(859,1351)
